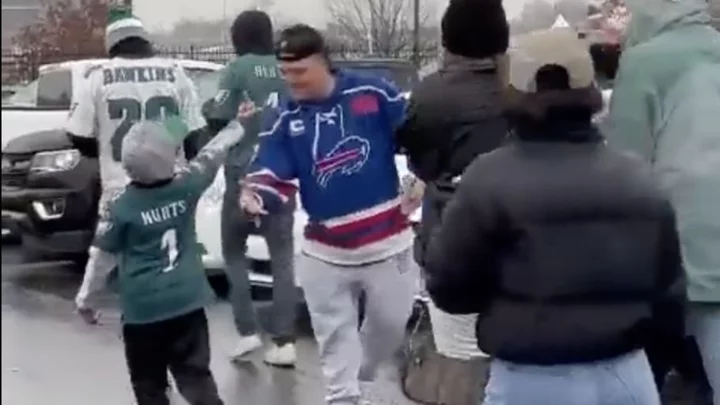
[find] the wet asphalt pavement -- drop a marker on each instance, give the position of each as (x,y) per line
(49,356)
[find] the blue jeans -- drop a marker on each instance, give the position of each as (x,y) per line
(625,380)
(277,229)
(704,324)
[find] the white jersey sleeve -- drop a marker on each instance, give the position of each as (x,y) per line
(82,117)
(190,108)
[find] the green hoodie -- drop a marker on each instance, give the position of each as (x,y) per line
(665,39)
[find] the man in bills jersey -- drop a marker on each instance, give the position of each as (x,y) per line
(132,86)
(332,139)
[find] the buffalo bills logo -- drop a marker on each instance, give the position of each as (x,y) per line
(346,158)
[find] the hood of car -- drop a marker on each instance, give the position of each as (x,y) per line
(38,142)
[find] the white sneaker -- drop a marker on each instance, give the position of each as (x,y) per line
(281,356)
(245,346)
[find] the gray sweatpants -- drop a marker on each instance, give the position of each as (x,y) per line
(331,293)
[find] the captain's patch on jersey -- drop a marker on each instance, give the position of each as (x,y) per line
(221,96)
(297,127)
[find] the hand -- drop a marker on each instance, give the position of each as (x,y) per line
(247,109)
(413,191)
(251,202)
(89,315)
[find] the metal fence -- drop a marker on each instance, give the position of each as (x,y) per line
(22,67)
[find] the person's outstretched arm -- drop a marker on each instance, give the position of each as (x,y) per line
(106,244)
(272,173)
(204,167)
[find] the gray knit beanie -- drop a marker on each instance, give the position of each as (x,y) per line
(149,152)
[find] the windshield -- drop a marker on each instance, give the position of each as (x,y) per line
(206,82)
(54,89)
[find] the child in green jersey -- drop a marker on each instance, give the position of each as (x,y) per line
(149,230)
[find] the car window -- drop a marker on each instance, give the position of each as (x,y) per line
(54,89)
(7,92)
(25,95)
(206,82)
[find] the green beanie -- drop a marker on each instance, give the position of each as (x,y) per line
(122,24)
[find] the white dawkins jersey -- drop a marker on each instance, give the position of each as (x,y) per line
(121,92)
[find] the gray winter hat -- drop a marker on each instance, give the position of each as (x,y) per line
(149,152)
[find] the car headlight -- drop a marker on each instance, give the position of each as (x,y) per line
(6,164)
(55,161)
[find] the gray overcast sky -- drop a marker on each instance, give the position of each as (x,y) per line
(159,14)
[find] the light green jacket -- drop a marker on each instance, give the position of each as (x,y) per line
(665,39)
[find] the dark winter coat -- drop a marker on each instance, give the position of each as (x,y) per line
(454,115)
(566,249)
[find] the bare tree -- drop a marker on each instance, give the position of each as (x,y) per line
(67,26)
(380,27)
(67,29)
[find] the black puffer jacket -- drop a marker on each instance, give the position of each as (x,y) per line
(566,249)
(454,115)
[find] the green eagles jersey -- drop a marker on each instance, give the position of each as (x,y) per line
(152,232)
(248,81)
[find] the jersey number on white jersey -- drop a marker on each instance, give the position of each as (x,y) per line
(130,111)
